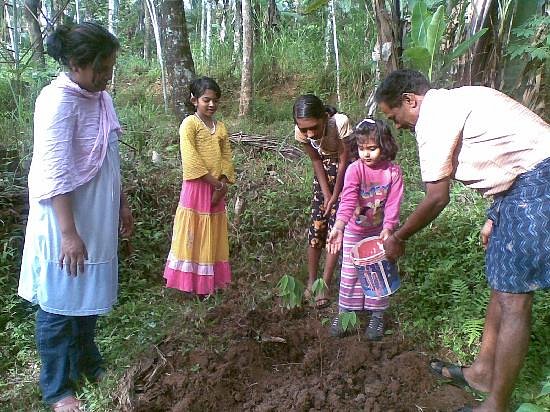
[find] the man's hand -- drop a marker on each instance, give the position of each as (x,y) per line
(394,248)
(126,221)
(485,234)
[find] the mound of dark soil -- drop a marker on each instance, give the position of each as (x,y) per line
(271,360)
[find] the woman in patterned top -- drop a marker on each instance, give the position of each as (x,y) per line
(322,131)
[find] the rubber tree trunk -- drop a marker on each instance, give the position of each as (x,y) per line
(208,41)
(31,14)
(180,68)
(237,30)
(112,25)
(12,20)
(152,9)
(223,21)
(247,66)
(332,13)
(328,36)
(203,29)
(146,32)
(271,19)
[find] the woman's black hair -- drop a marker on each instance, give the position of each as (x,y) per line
(310,106)
(380,132)
(81,45)
(202,84)
(398,82)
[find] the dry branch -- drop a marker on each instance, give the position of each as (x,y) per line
(271,143)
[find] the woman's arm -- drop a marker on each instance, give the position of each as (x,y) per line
(125,216)
(342,166)
(73,250)
(318,169)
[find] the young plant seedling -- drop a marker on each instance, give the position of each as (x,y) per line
(291,291)
(348,320)
(318,287)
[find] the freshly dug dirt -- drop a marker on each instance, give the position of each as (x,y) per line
(272,359)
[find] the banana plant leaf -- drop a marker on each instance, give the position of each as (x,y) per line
(434,36)
(417,58)
(420,19)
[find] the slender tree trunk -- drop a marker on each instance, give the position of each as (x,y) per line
(113,16)
(151,8)
(238,30)
(203,28)
(146,32)
(77,11)
(180,68)
(208,33)
(113,28)
(271,20)
(335,46)
(223,22)
(11,14)
(247,66)
(328,37)
(31,14)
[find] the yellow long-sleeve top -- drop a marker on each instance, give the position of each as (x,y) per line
(203,152)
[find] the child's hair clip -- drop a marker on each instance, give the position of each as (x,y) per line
(366,120)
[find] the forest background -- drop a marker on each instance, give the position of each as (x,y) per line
(264,53)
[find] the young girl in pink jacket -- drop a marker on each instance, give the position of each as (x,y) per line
(369,206)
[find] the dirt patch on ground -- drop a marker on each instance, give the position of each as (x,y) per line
(270,359)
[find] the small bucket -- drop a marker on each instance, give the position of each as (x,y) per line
(378,276)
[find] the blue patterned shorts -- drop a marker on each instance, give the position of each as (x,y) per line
(518,254)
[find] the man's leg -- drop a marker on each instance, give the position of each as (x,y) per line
(479,375)
(511,347)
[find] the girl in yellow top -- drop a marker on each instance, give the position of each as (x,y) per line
(199,256)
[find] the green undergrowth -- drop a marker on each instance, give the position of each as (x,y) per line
(440,306)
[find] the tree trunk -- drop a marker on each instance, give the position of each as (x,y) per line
(271,20)
(332,12)
(223,22)
(31,14)
(77,10)
(180,68)
(389,46)
(151,8)
(238,30)
(327,39)
(208,33)
(12,22)
(113,16)
(247,66)
(146,32)
(203,29)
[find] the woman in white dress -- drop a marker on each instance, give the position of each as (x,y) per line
(77,208)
